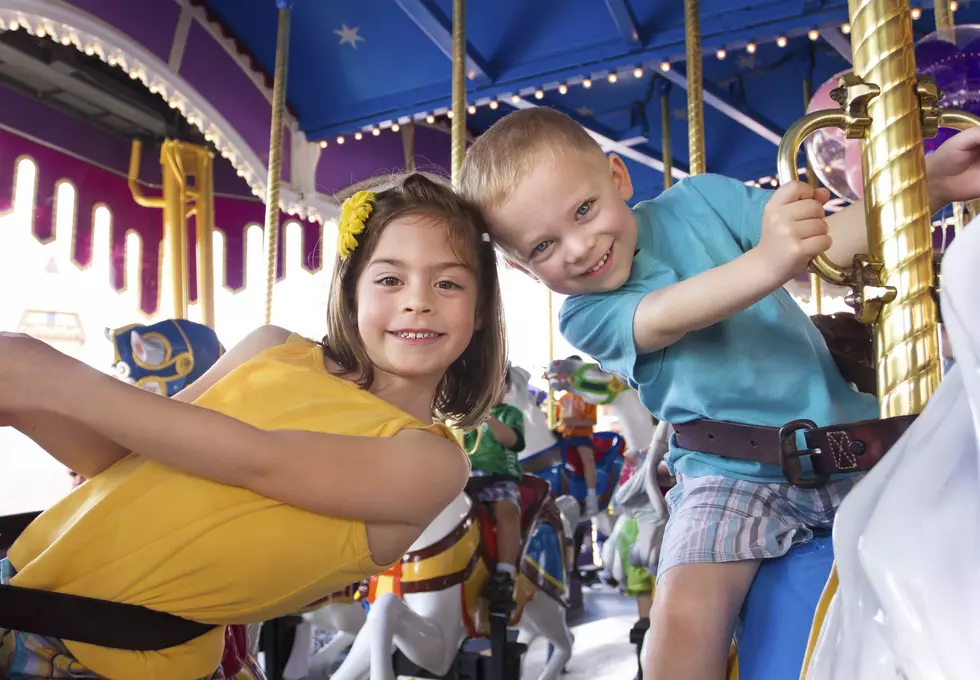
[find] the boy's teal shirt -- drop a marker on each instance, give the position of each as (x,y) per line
(766,365)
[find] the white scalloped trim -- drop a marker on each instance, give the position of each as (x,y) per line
(72,26)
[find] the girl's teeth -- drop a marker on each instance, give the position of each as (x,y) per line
(416,336)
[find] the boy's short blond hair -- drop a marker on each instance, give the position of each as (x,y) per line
(506,153)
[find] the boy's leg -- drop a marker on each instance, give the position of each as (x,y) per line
(508,532)
(693,618)
(587,455)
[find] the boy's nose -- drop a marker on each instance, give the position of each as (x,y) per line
(579,248)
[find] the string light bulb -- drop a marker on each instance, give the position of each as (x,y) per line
(781,41)
(721,54)
(813,34)
(612,77)
(375,131)
(516,99)
(340,140)
(494,104)
(846,29)
(563,89)
(638,72)
(665,66)
(358,136)
(750,48)
(450,113)
(323,144)
(396,127)
(953,5)
(430,119)
(916,13)
(539,94)
(472,109)
(587,83)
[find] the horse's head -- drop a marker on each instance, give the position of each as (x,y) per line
(585,380)
(163,358)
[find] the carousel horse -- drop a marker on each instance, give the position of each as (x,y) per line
(431,601)
(344,613)
(166,357)
(906,539)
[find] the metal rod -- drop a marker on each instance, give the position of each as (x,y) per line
(816,283)
(944,20)
(275,158)
(897,205)
(695,95)
(408,146)
(459,88)
(551,358)
(204,221)
(174,230)
(668,155)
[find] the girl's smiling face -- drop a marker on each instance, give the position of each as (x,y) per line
(416,300)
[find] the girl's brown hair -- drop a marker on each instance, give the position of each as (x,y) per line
(468,390)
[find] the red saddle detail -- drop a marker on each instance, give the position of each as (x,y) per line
(534,492)
(236,650)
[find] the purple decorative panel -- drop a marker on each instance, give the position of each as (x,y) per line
(149,22)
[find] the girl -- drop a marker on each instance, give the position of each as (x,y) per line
(290,470)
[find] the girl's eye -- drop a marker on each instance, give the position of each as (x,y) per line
(448,285)
(541,247)
(584,209)
(388,281)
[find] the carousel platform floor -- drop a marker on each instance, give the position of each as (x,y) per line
(602,650)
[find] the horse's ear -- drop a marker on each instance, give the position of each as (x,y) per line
(139,347)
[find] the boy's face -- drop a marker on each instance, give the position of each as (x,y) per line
(568,225)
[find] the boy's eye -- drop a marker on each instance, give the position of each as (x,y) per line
(584,209)
(388,281)
(541,247)
(448,285)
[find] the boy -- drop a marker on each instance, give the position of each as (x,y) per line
(493,452)
(683,295)
(577,420)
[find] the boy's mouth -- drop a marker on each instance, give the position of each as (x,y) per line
(600,266)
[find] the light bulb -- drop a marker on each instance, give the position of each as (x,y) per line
(516,99)
(494,104)
(813,34)
(587,83)
(375,132)
(750,48)
(721,54)
(563,88)
(358,136)
(638,72)
(665,66)
(323,144)
(539,94)
(396,127)
(845,29)
(430,119)
(612,77)
(781,41)
(471,109)
(340,140)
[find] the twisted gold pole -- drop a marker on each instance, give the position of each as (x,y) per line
(459,88)
(944,20)
(668,154)
(695,97)
(897,205)
(275,159)
(816,283)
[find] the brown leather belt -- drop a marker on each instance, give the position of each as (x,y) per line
(854,447)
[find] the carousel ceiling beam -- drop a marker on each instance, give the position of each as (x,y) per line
(622,16)
(439,29)
(718,100)
(840,42)
(607,140)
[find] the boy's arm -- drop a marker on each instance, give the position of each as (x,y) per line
(793,232)
(506,436)
(87,452)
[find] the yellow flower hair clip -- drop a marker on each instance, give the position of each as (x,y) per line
(355,211)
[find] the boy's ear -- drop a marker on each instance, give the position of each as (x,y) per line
(621,177)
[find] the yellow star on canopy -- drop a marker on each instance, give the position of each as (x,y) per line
(348,36)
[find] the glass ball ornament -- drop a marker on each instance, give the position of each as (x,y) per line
(952,61)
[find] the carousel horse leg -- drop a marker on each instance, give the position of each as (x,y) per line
(545,616)
(392,622)
(324,658)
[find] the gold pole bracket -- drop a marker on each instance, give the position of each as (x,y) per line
(854,95)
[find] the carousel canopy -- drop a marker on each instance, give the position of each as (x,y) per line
(357,66)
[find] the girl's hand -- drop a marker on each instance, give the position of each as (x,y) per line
(953,172)
(28,370)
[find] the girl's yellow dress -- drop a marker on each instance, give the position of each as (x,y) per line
(146,534)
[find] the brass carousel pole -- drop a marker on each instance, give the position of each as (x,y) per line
(459,88)
(816,283)
(695,97)
(275,153)
(946,28)
(668,154)
(897,205)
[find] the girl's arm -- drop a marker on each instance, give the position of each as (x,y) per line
(87,452)
(414,474)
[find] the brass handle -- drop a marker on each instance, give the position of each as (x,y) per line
(957,120)
(786,169)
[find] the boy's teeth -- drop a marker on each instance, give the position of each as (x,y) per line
(601,262)
(416,336)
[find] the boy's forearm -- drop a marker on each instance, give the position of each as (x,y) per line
(75,446)
(663,317)
(504,434)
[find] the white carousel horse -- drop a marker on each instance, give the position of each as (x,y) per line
(537,435)
(430,602)
(907,538)
(343,614)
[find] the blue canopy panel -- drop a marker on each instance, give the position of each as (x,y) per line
(359,65)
